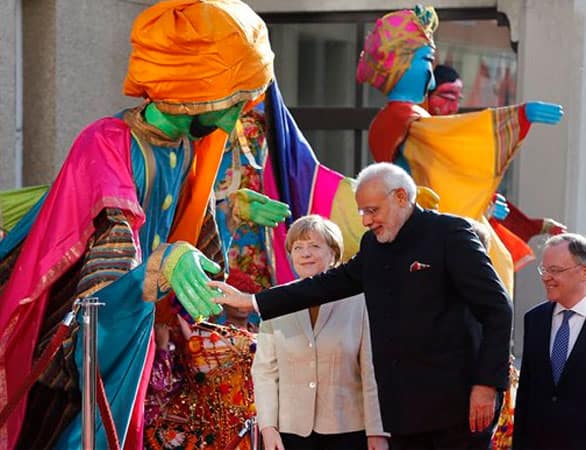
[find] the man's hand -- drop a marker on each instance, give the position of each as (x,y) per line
(272,439)
(185,269)
(378,443)
(232,296)
(482,406)
(258,208)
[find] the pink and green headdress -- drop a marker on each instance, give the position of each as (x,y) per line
(390,46)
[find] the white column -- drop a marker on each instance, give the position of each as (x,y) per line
(552,169)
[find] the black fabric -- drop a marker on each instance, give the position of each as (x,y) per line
(316,441)
(454,438)
(549,416)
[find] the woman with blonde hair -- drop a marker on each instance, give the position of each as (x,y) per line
(313,375)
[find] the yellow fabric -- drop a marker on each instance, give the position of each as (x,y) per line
(345,215)
(195,56)
(15,203)
(427,198)
(501,259)
(462,158)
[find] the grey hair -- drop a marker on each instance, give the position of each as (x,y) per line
(576,245)
(392,176)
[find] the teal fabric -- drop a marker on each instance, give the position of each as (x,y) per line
(125,323)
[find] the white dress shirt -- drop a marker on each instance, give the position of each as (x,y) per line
(575,322)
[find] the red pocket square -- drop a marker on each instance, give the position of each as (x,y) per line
(416,265)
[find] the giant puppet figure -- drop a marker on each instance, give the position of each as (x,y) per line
(462,157)
(513,227)
(123,218)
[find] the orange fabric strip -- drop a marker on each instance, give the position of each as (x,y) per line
(200,182)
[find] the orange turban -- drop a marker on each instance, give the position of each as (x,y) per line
(195,56)
(390,46)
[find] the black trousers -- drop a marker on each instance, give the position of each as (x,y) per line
(455,438)
(316,441)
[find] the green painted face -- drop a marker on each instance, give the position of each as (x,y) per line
(224,119)
(177,125)
(172,125)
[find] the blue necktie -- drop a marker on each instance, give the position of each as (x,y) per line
(559,351)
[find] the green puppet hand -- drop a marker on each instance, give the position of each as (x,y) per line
(258,208)
(185,269)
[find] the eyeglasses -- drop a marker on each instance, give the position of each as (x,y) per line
(371,211)
(554,270)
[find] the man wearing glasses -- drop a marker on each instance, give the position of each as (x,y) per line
(550,411)
(427,280)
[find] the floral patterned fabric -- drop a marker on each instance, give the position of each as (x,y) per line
(241,167)
(201,396)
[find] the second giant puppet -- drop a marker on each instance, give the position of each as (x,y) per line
(461,157)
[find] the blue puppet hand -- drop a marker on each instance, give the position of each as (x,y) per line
(500,208)
(541,112)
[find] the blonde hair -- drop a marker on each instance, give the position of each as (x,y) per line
(331,233)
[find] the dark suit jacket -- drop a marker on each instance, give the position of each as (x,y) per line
(427,351)
(549,416)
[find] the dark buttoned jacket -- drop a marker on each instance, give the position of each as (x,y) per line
(426,293)
(549,416)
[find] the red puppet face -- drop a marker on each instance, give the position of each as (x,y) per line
(446,98)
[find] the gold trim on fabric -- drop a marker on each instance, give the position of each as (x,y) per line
(77,250)
(153,274)
(4,338)
(195,108)
(507,130)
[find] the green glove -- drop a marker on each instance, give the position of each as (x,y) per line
(185,269)
(258,208)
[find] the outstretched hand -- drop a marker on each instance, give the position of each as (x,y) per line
(186,272)
(231,296)
(255,207)
(542,112)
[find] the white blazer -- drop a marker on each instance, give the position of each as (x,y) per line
(319,379)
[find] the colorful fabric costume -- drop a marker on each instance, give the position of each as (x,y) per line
(241,167)
(280,163)
(294,175)
(461,157)
(214,396)
(124,189)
